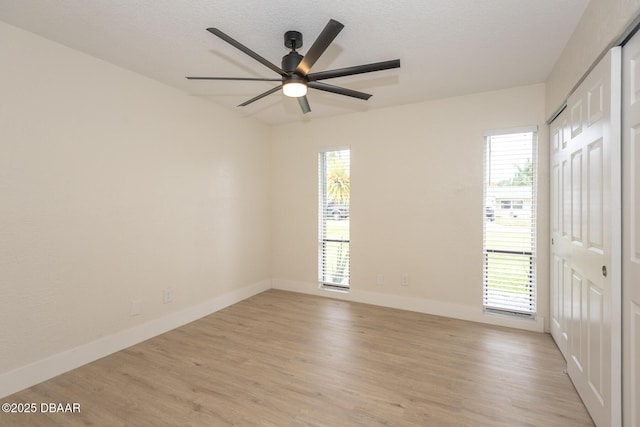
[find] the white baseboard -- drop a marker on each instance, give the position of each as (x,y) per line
(420,305)
(42,370)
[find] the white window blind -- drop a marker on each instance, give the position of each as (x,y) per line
(509,238)
(333,244)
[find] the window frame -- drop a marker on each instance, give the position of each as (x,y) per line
(530,257)
(323,273)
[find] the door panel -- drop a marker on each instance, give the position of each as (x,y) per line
(595,340)
(576,118)
(596,102)
(631,231)
(566,290)
(576,197)
(556,299)
(595,197)
(577,320)
(586,244)
(566,200)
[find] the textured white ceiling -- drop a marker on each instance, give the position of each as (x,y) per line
(446,47)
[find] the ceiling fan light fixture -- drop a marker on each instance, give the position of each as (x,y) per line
(294,87)
(294,90)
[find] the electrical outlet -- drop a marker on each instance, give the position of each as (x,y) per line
(135,307)
(404,280)
(167,296)
(380,279)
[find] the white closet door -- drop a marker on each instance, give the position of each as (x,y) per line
(560,226)
(631,231)
(586,272)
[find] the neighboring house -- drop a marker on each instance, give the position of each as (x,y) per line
(509,202)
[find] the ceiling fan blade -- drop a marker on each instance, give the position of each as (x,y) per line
(246,50)
(304,104)
(262,95)
(339,90)
(318,47)
(358,69)
(234,78)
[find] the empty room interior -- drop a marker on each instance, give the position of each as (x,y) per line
(179,244)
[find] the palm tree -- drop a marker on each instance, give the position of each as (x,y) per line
(338,181)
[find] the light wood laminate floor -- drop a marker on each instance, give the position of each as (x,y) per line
(288,359)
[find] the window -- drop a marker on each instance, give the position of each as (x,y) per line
(333,244)
(511,204)
(509,238)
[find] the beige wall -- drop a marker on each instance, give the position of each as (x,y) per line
(601,24)
(416,201)
(112,188)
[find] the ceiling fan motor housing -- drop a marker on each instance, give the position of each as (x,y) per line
(290,61)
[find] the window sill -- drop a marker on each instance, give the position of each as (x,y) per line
(333,288)
(509,314)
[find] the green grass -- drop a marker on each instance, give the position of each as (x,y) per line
(338,229)
(509,275)
(508,272)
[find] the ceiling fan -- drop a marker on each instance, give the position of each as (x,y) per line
(294,72)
